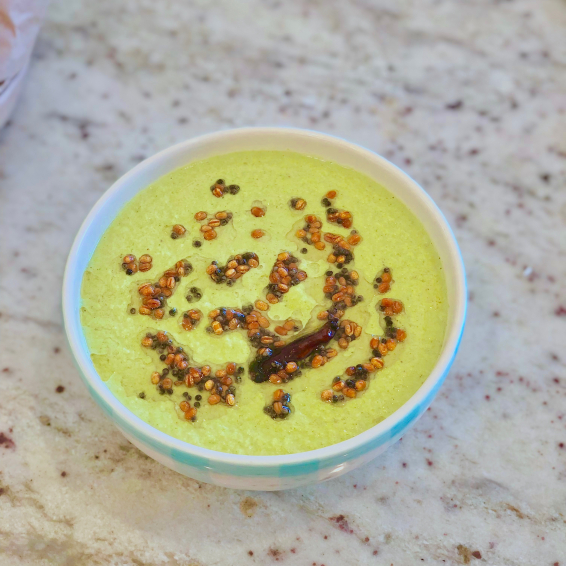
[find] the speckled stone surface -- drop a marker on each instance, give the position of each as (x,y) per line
(469,98)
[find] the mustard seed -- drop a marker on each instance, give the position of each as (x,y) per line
(291,367)
(257,211)
(289,325)
(327,395)
(190,415)
(298,203)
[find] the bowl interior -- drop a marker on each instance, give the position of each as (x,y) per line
(301,141)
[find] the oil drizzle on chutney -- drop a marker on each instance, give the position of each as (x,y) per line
(261,368)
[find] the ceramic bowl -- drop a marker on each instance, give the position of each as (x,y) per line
(264,472)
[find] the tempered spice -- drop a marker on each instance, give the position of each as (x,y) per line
(219,189)
(285,274)
(154,295)
(235,268)
(280,408)
(276,361)
(178,373)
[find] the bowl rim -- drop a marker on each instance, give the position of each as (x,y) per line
(156,437)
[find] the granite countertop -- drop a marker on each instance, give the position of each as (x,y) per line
(470,99)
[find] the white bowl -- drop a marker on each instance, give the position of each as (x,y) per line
(265,472)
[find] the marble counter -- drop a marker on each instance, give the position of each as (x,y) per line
(470,99)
